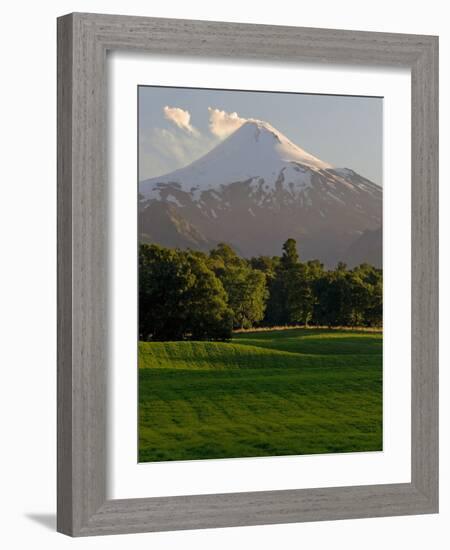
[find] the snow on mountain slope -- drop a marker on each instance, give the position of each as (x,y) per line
(255,151)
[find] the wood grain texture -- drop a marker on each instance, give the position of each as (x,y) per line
(64,251)
(83,41)
(425,260)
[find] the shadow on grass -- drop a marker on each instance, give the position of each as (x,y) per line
(313,342)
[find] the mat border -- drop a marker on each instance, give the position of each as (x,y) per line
(83,41)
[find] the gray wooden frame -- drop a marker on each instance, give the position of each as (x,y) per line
(83,40)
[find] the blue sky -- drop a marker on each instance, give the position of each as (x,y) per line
(176,126)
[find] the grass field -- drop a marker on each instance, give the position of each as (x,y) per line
(282,392)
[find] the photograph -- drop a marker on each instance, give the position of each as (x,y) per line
(260,250)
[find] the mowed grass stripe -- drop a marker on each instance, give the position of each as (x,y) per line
(219,355)
(280,396)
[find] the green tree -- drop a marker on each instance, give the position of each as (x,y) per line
(290,257)
(164,277)
(291,299)
(298,294)
(266,264)
(349,297)
(191,295)
(372,306)
(209,316)
(374,312)
(245,286)
(180,297)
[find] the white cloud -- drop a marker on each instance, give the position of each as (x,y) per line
(222,124)
(161,150)
(180,117)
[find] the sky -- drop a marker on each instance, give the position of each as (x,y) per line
(179,125)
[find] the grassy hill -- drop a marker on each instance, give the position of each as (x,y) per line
(281,392)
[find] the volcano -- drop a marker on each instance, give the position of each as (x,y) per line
(255,190)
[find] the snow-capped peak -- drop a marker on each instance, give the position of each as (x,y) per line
(286,149)
(256,151)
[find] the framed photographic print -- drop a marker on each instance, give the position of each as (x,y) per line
(252,252)
(247,292)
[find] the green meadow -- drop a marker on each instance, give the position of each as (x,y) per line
(268,393)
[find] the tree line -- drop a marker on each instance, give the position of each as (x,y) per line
(198,296)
